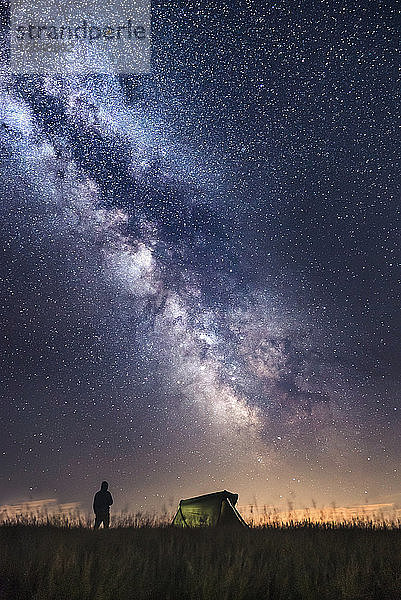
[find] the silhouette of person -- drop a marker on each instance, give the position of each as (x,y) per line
(101,505)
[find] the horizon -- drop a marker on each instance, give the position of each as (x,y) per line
(256,513)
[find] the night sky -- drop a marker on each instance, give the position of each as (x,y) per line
(198,285)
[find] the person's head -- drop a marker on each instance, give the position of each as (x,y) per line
(104,486)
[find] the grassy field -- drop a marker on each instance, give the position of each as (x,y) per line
(158,563)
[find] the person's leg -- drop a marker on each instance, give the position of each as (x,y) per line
(106,521)
(98,520)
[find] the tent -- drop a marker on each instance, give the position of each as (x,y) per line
(209,510)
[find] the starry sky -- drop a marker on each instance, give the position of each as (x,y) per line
(198,283)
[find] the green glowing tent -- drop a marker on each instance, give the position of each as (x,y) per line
(209,510)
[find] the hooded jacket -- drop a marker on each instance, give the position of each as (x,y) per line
(102,501)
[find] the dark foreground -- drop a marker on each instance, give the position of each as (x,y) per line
(47,562)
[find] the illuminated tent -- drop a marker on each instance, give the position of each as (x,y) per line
(209,510)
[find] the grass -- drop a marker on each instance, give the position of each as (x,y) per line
(52,560)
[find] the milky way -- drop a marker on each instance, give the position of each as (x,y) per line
(198,284)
